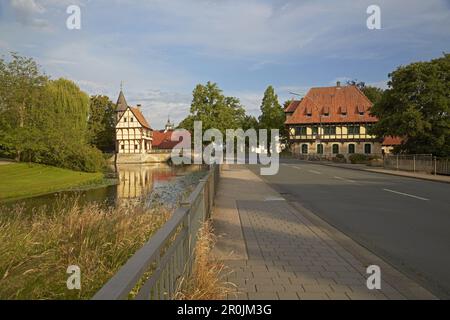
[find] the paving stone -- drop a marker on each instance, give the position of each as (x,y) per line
(288,295)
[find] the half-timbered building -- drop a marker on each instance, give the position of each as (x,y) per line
(332,120)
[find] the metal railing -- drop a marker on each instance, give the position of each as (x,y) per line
(426,163)
(155,270)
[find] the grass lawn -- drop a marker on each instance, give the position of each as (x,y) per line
(21,180)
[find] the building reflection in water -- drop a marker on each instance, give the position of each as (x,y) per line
(136,181)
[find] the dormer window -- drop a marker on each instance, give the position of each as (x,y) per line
(326,111)
(309,111)
(344,111)
(361,110)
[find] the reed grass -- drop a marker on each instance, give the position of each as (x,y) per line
(36,249)
(208,278)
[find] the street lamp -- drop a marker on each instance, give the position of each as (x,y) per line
(320,129)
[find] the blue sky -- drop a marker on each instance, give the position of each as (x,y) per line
(161,49)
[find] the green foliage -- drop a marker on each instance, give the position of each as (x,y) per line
(417,106)
(214,109)
(101,123)
(44,121)
(250,122)
(272,114)
(361,158)
(373,93)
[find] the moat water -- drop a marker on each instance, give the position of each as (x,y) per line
(150,184)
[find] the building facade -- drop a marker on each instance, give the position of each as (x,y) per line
(133,133)
(330,121)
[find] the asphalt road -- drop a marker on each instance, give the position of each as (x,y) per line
(405,221)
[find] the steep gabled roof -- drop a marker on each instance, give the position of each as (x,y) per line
(343,104)
(292,106)
(162,140)
(121,104)
(140,117)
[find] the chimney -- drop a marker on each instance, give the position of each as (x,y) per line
(338,84)
(139,106)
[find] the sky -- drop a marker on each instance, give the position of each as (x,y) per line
(161,49)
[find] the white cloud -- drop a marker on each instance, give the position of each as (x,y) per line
(26,12)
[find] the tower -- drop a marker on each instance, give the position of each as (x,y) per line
(169,125)
(121,105)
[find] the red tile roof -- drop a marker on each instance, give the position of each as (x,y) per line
(162,140)
(344,104)
(292,106)
(140,117)
(392,141)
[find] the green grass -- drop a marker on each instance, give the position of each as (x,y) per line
(21,180)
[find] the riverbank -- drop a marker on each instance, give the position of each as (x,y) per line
(23,180)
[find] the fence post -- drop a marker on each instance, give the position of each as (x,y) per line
(397,161)
(435,165)
(414,163)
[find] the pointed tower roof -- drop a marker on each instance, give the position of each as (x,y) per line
(122,104)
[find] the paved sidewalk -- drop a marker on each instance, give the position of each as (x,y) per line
(276,252)
(408,174)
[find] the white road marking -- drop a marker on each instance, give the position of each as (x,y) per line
(314,171)
(406,194)
(344,179)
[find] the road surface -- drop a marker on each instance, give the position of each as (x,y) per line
(405,221)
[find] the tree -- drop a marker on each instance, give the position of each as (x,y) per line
(374,94)
(213,109)
(21,88)
(416,107)
(101,123)
(272,113)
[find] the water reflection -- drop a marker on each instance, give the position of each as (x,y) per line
(148,183)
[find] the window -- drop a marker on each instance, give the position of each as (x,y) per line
(122,147)
(315,130)
(131,119)
(330,130)
(353,130)
(300,131)
(304,149)
(351,148)
(125,119)
(335,148)
(136,147)
(320,148)
(367,148)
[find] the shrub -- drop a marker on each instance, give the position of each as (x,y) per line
(339,158)
(359,158)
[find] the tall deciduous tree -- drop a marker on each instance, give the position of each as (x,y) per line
(214,109)
(101,123)
(20,90)
(417,107)
(374,94)
(272,113)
